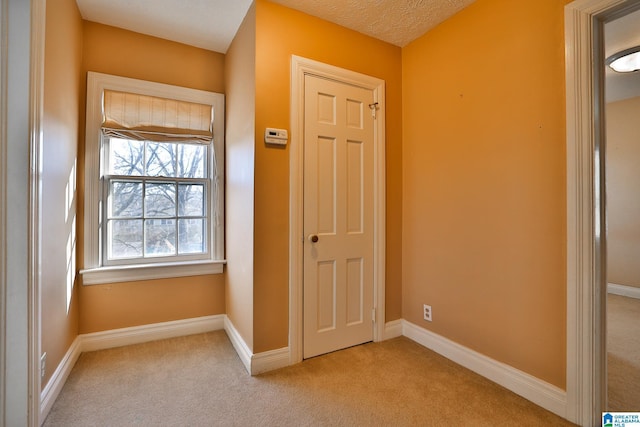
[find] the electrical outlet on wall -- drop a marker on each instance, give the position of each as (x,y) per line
(427,312)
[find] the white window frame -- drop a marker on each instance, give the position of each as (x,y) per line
(95,271)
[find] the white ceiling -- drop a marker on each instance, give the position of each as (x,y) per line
(208,24)
(621,34)
(212,24)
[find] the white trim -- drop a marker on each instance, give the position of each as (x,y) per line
(269,360)
(260,362)
(537,391)
(156,331)
(299,68)
(393,329)
(36,113)
(623,290)
(586,268)
(244,353)
(96,84)
(4,202)
(129,273)
(59,377)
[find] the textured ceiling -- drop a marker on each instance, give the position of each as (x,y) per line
(212,24)
(398,22)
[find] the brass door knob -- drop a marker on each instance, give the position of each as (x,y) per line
(313,238)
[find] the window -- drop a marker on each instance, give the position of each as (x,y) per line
(153,181)
(156,194)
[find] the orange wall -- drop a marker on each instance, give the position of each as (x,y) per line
(623,200)
(240,74)
(62,87)
(124,53)
(281,32)
(121,305)
(484,183)
(114,51)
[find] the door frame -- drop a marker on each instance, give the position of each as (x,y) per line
(300,67)
(586,223)
(21,111)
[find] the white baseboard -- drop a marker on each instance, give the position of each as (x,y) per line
(270,360)
(119,338)
(393,329)
(244,353)
(256,363)
(53,388)
(156,331)
(624,290)
(537,391)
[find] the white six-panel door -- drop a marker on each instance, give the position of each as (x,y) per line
(338,216)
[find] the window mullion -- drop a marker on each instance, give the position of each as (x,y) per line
(144,208)
(105,197)
(175,209)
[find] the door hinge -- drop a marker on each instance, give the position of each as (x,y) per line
(374,108)
(373,315)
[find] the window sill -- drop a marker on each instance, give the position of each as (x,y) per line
(130,273)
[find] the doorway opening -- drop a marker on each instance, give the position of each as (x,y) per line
(622,154)
(586,220)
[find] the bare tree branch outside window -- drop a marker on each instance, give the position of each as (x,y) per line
(157,199)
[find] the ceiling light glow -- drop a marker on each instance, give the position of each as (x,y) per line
(626,61)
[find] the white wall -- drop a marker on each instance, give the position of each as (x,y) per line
(623,192)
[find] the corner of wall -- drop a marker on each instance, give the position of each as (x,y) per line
(240,78)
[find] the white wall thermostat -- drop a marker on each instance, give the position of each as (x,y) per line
(276,136)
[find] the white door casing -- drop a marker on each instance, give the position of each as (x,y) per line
(302,67)
(338,215)
(22,83)
(586,232)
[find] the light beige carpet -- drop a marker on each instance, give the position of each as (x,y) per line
(199,381)
(623,353)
